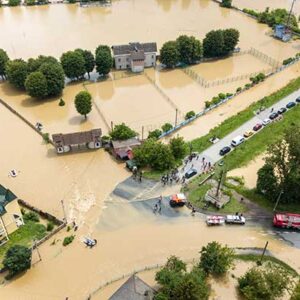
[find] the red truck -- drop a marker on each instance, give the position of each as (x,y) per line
(287,220)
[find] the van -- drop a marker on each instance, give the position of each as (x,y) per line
(237,141)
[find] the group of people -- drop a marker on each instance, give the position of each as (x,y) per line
(171,177)
(137,175)
(157,206)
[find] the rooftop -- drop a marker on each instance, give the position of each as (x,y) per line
(127,49)
(126,143)
(6,196)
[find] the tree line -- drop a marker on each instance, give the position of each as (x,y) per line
(189,50)
(44,76)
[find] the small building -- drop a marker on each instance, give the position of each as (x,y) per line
(123,149)
(135,56)
(282,32)
(10,214)
(134,289)
(66,142)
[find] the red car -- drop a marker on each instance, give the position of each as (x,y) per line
(286,220)
(257,127)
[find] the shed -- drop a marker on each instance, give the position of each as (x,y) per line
(123,149)
(134,289)
(64,142)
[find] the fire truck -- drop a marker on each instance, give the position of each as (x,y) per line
(287,220)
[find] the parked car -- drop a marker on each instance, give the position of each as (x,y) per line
(282,110)
(224,150)
(177,200)
(257,127)
(190,173)
(237,141)
(273,116)
(286,220)
(266,121)
(298,100)
(290,104)
(248,133)
(235,219)
(215,220)
(130,164)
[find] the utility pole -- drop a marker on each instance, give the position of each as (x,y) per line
(263,254)
(112,125)
(176,115)
(142,133)
(290,14)
(219,184)
(64,211)
(35,246)
(279,196)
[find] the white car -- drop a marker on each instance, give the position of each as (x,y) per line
(235,219)
(266,121)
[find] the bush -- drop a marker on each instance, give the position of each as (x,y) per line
(239,89)
(169,54)
(83,103)
(50,226)
(190,114)
(61,102)
(226,3)
(248,86)
(16,71)
(288,61)
(46,137)
(251,12)
(178,147)
(155,134)
(68,240)
(31,216)
(166,127)
(14,2)
(17,259)
(36,85)
(23,211)
(215,259)
(122,132)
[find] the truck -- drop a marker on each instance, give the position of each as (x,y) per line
(177,200)
(286,220)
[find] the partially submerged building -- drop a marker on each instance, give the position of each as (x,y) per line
(134,289)
(66,142)
(123,149)
(10,214)
(135,56)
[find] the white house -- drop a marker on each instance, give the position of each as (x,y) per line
(135,56)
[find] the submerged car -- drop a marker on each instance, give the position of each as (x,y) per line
(190,173)
(257,127)
(177,200)
(282,110)
(290,104)
(224,150)
(248,133)
(235,219)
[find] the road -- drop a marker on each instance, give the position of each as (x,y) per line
(212,155)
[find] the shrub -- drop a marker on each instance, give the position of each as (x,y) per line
(155,134)
(23,211)
(83,103)
(68,240)
(61,102)
(122,132)
(31,216)
(50,226)
(248,86)
(46,138)
(226,3)
(190,114)
(14,2)
(288,61)
(239,89)
(166,127)
(207,104)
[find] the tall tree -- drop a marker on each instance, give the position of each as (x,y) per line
(190,49)
(226,3)
(169,54)
(73,64)
(213,44)
(16,71)
(83,103)
(89,60)
(35,63)
(36,85)
(104,60)
(3,61)
(178,147)
(231,38)
(122,132)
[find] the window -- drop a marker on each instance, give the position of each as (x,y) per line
(153,56)
(127,66)
(119,59)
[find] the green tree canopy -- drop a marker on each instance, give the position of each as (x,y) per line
(296,292)
(231,39)
(14,2)
(190,49)
(36,85)
(83,103)
(155,134)
(166,127)
(34,64)
(73,64)
(16,71)
(3,61)
(190,114)
(178,147)
(103,59)
(169,54)
(89,60)
(277,16)
(122,132)
(17,259)
(216,259)
(226,3)
(55,78)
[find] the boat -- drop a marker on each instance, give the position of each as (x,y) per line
(215,220)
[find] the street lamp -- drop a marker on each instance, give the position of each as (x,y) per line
(279,196)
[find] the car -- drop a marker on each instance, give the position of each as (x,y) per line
(237,141)
(282,110)
(290,104)
(130,164)
(257,127)
(248,133)
(235,219)
(190,173)
(177,200)
(215,220)
(266,121)
(225,150)
(298,100)
(273,115)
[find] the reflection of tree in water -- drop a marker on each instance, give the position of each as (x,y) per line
(185,4)
(166,4)
(203,3)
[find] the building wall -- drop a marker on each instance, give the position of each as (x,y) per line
(150,59)
(122,62)
(137,69)
(8,218)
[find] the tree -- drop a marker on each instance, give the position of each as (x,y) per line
(178,147)
(215,259)
(14,2)
(190,49)
(73,64)
(268,283)
(122,132)
(226,3)
(17,259)
(34,64)
(213,44)
(3,61)
(89,60)
(231,38)
(296,292)
(166,127)
(155,134)
(55,77)
(36,85)
(104,60)
(169,54)
(16,71)
(83,103)
(190,114)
